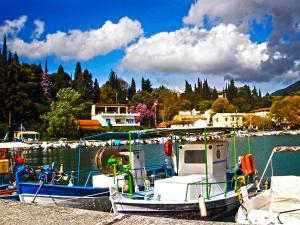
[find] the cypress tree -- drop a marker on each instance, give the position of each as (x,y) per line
(131,90)
(4,51)
(87,85)
(96,92)
(16,58)
(77,83)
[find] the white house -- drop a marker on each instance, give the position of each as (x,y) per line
(115,115)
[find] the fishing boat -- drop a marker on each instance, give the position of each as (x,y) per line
(201,187)
(9,156)
(94,193)
(278,205)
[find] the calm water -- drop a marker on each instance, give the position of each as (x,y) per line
(261,147)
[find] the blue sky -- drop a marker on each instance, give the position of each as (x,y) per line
(168,41)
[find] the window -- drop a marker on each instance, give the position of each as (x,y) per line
(194,156)
(225,119)
(108,121)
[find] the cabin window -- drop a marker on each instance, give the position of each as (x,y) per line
(194,156)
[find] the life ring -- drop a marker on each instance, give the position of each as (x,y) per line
(247,164)
(168,148)
(3,153)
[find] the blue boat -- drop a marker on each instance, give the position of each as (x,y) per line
(94,193)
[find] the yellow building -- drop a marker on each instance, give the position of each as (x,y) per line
(229,119)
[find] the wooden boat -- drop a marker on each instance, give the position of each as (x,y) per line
(201,188)
(93,194)
(278,205)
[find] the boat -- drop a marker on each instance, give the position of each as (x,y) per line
(201,188)
(8,152)
(280,204)
(57,188)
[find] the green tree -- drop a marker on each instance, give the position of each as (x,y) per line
(204,105)
(146,85)
(142,97)
(59,81)
(222,105)
(63,113)
(77,83)
(231,91)
(131,90)
(96,92)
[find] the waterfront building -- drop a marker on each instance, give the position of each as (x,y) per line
(229,119)
(115,115)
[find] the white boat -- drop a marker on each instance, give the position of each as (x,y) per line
(278,205)
(200,190)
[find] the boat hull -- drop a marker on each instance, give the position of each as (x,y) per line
(183,210)
(65,196)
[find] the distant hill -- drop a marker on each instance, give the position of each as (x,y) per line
(290,89)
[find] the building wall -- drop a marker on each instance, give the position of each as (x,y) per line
(113,115)
(229,119)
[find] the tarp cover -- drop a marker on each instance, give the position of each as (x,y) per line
(285,193)
(14,145)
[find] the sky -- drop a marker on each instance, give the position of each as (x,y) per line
(254,42)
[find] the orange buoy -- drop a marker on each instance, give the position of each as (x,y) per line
(168,148)
(247,164)
(3,153)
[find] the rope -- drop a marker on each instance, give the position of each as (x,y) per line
(288,211)
(70,199)
(42,182)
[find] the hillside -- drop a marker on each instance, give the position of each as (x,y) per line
(290,89)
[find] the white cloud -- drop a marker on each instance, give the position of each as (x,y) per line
(12,27)
(39,28)
(81,45)
(221,50)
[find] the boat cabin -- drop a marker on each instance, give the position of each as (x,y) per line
(191,168)
(26,136)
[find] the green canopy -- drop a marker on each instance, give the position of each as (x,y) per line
(122,136)
(153,133)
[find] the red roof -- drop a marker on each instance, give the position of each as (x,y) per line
(88,124)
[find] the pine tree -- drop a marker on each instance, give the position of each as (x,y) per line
(146,85)
(77,83)
(231,92)
(59,80)
(214,94)
(87,85)
(96,93)
(206,90)
(131,90)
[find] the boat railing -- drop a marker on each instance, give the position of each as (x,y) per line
(209,185)
(83,173)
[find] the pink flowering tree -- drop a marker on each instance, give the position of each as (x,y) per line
(143,111)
